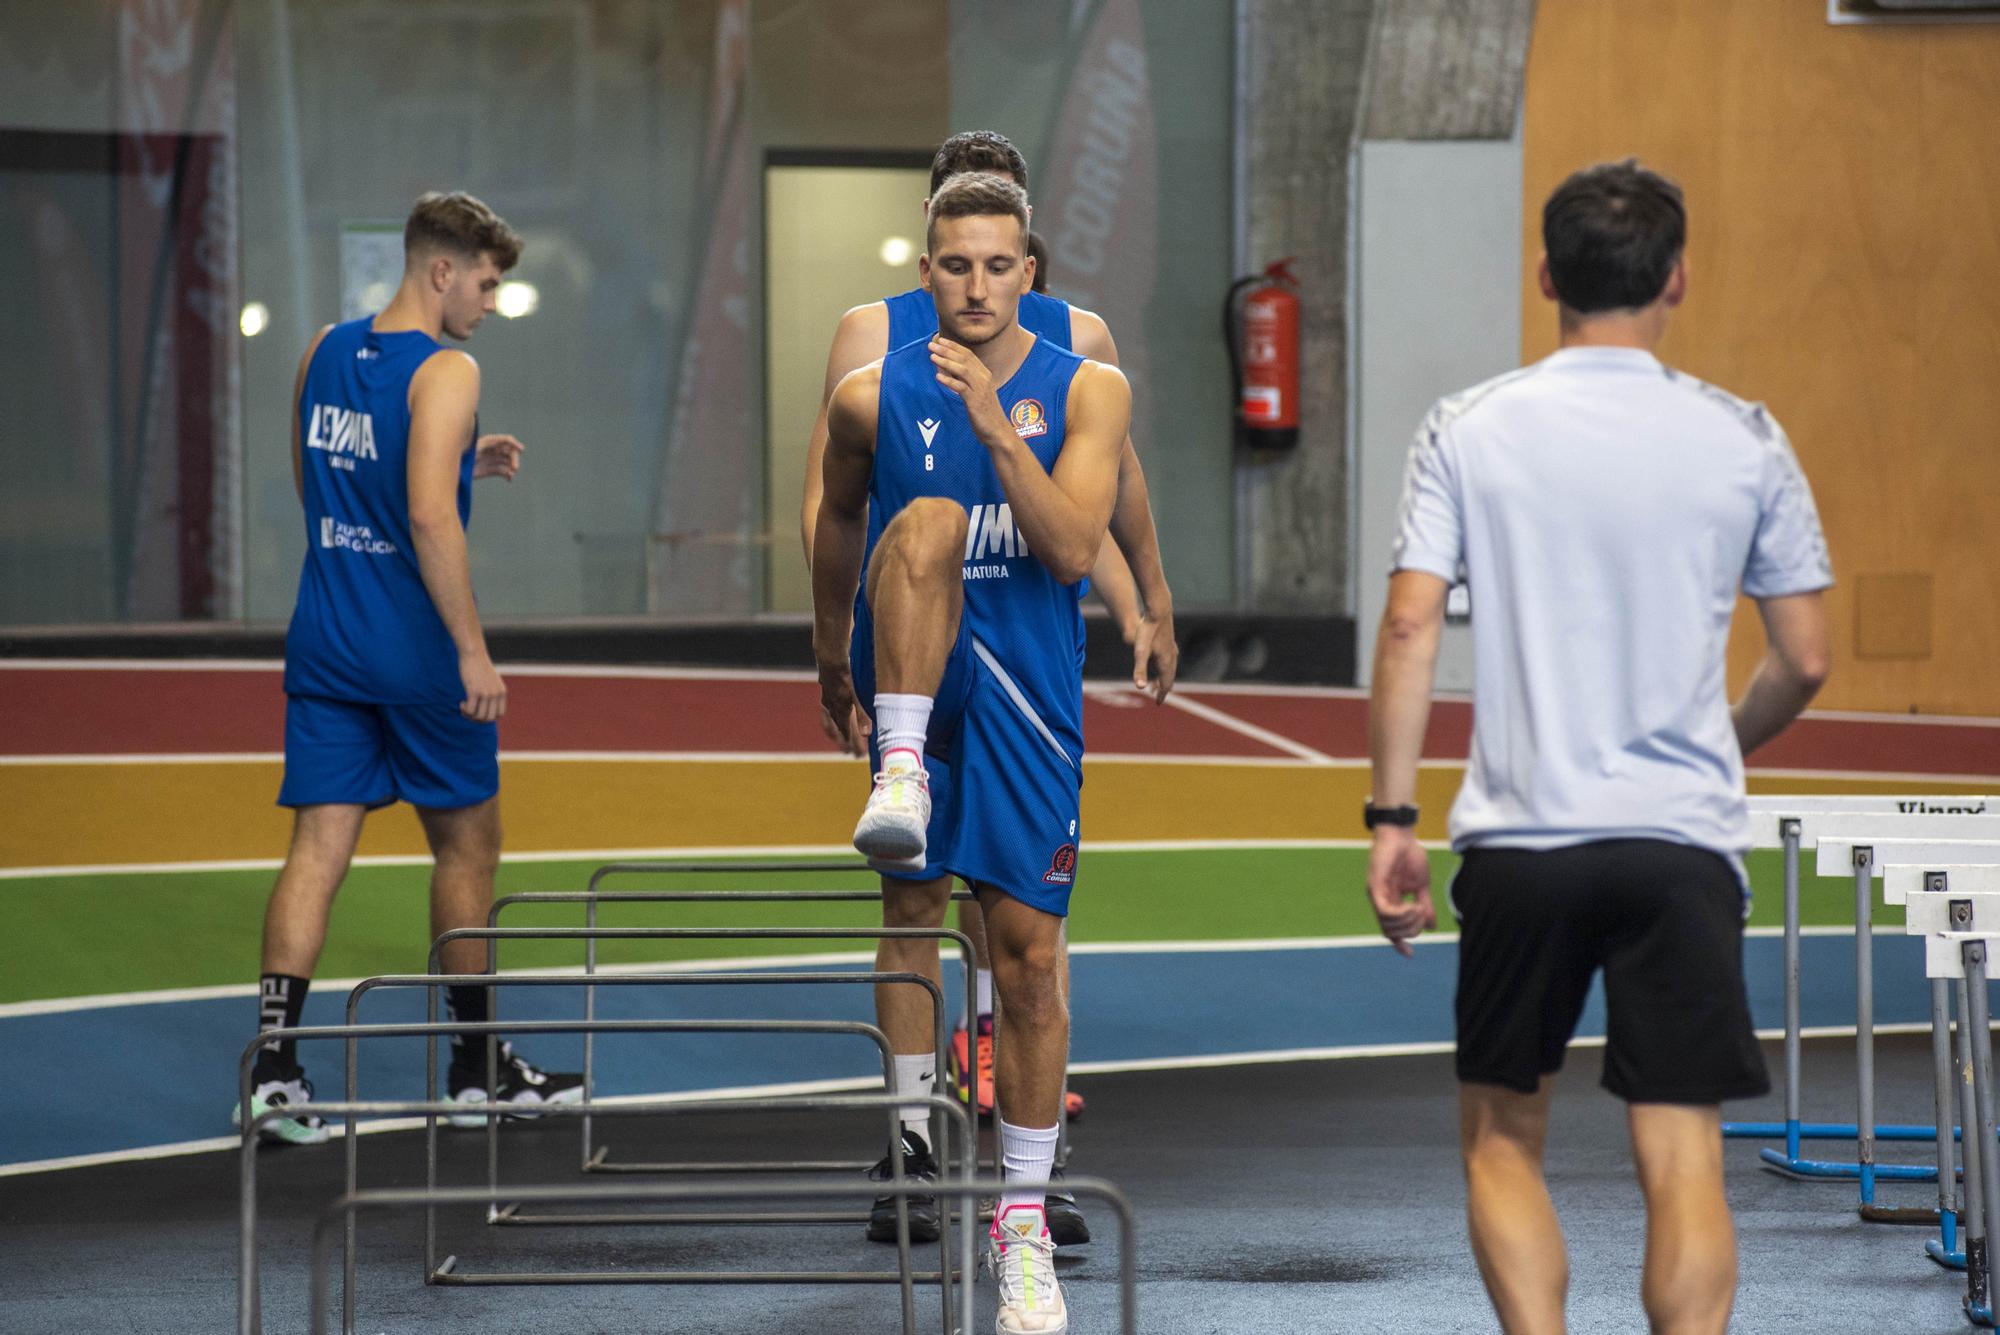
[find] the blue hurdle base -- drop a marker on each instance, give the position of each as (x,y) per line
(1837,1170)
(1825,1131)
(1944,1248)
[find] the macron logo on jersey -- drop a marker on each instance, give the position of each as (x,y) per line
(343,433)
(928,429)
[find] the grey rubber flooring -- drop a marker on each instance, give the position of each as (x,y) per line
(1282,1198)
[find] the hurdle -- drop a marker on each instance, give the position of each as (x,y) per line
(588,935)
(250,1307)
(595,1157)
(1867,851)
(968,1191)
(1791,824)
(1956,909)
(493,1115)
(593,894)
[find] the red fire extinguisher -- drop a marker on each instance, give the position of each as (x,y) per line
(1263,339)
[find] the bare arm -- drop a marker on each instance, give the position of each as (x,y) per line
(839,545)
(1132,525)
(861,337)
(298,392)
(1062,514)
(1796,659)
(1399,709)
(1149,608)
(444,404)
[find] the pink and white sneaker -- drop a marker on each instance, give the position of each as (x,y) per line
(1023,1258)
(891,831)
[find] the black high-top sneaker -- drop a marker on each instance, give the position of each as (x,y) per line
(521,1089)
(919,1166)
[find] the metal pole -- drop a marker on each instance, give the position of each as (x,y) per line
(1128,1319)
(1788,828)
(1864,1021)
(1946,1111)
(1982,1094)
(589,1013)
(1975,1156)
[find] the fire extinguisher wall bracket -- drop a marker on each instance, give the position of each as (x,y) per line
(1260,325)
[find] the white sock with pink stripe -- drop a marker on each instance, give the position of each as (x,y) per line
(900,724)
(1027,1153)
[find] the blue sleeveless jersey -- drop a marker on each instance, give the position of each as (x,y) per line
(913,315)
(1015,609)
(365,628)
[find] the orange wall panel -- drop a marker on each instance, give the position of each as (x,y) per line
(1843,191)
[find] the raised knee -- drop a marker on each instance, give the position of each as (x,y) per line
(929,531)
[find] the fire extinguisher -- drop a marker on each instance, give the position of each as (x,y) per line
(1263,339)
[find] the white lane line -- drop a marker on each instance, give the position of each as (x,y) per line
(637,757)
(1274,1056)
(1244,728)
(1112,684)
(649,854)
(807,960)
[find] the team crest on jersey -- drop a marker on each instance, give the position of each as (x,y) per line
(1062,867)
(1029,419)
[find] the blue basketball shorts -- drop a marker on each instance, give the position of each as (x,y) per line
(1006,794)
(349,751)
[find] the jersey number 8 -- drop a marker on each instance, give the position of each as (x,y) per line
(929,463)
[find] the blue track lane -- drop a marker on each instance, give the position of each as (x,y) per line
(80,1078)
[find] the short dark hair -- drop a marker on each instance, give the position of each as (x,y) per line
(978,151)
(1613,233)
(1038,251)
(977,195)
(461,225)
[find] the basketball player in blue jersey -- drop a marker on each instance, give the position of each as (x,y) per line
(1136,593)
(969,479)
(390,693)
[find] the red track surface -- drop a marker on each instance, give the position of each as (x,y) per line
(147,712)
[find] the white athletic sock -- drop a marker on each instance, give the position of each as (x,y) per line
(1027,1153)
(916,1075)
(900,724)
(984,997)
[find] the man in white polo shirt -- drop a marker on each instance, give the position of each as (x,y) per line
(1604,510)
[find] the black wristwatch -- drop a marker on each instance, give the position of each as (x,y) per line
(1372,815)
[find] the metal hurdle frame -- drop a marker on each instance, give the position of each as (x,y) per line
(592,895)
(1956,909)
(968,1190)
(250,1313)
(493,1115)
(595,1158)
(1789,823)
(590,935)
(250,1307)
(1868,851)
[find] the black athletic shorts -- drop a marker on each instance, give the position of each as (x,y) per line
(1665,923)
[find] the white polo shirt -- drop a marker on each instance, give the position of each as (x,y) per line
(1604,509)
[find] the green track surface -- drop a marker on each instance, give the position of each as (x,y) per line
(80,935)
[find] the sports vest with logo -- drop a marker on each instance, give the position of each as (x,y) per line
(1020,613)
(365,628)
(913,315)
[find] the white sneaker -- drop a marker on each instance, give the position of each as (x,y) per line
(891,829)
(304,1129)
(1024,1265)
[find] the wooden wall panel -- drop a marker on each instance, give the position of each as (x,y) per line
(1844,244)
